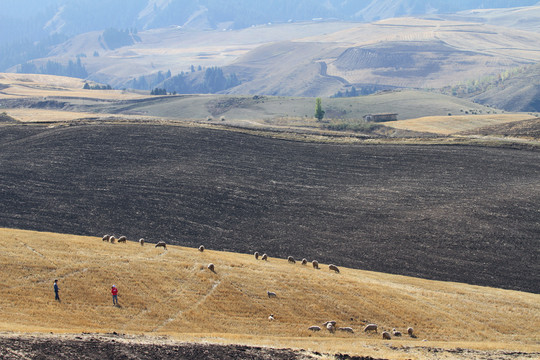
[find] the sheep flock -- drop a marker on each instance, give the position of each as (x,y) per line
(330,326)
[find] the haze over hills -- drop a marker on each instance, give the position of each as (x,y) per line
(524,18)
(283,56)
(38,18)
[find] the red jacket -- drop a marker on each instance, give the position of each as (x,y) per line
(114,291)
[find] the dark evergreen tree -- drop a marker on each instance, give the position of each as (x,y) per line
(319,112)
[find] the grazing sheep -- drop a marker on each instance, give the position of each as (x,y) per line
(271,294)
(304,261)
(386,335)
(346,329)
(112,239)
(330,322)
(256,255)
(410,331)
(264,257)
(106,237)
(314,328)
(201,248)
(395,332)
(141,241)
(271,317)
(315,264)
(333,267)
(210,267)
(291,260)
(122,239)
(162,244)
(370,327)
(331,327)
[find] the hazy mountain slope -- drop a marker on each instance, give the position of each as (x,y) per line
(405,52)
(520,92)
(287,68)
(312,59)
(524,18)
(72,17)
(382,9)
(176,49)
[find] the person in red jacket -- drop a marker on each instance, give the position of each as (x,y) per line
(114,292)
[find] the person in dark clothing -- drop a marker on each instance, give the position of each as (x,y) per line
(56,289)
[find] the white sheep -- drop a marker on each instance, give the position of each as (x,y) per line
(201,248)
(346,329)
(256,255)
(122,239)
(112,239)
(304,261)
(210,267)
(314,328)
(386,335)
(271,317)
(333,267)
(333,322)
(106,237)
(271,294)
(161,244)
(264,257)
(395,332)
(331,327)
(410,331)
(291,260)
(315,264)
(141,241)
(370,327)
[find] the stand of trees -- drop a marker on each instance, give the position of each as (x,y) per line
(21,51)
(72,69)
(364,90)
(213,81)
(96,87)
(115,39)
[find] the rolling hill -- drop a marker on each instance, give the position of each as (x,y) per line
(32,20)
(520,91)
(524,18)
(167,296)
(309,59)
(26,94)
(441,212)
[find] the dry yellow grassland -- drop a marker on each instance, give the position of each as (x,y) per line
(31,115)
(448,125)
(171,292)
(32,85)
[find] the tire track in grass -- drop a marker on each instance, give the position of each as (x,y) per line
(195,305)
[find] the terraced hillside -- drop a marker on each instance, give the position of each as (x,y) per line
(454,213)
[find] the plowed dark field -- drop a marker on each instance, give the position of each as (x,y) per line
(99,348)
(466,214)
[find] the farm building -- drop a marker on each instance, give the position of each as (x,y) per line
(380,117)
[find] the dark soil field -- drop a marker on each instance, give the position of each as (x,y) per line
(99,348)
(456,213)
(115,346)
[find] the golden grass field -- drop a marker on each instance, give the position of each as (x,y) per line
(448,125)
(33,85)
(172,293)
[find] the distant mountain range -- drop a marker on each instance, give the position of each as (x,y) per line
(300,48)
(37,19)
